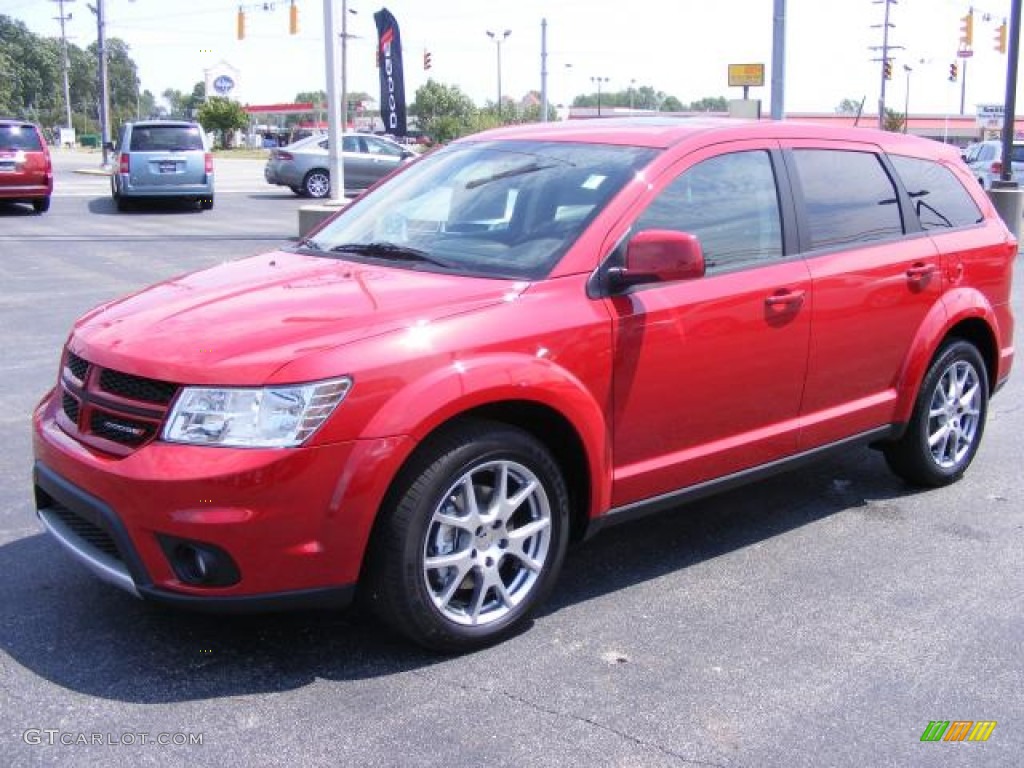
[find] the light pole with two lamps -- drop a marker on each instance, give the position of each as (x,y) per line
(498,40)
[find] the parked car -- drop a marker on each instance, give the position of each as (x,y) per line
(162,159)
(26,172)
(303,166)
(528,336)
(985,161)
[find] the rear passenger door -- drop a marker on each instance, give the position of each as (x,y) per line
(708,373)
(875,276)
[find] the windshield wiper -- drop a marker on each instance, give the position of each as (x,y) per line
(517,171)
(391,251)
(308,244)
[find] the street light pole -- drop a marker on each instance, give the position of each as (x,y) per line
(906,101)
(599,80)
(498,40)
(101,54)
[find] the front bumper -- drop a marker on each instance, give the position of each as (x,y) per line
(294,523)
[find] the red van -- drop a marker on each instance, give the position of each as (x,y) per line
(527,336)
(26,173)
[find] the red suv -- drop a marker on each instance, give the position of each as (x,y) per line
(26,174)
(520,339)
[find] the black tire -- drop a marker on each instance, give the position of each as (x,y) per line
(123,203)
(317,184)
(41,204)
(952,406)
(298,191)
(206,203)
(426,515)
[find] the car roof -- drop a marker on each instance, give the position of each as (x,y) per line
(664,131)
(163,123)
(15,121)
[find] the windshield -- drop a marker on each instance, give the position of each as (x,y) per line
(495,208)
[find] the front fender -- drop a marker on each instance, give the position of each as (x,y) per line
(463,385)
(954,307)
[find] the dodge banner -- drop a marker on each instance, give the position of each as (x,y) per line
(392,83)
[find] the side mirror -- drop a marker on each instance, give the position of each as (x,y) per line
(407,153)
(659,256)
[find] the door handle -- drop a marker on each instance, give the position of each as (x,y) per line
(921,271)
(785,299)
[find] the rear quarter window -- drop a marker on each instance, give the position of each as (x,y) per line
(938,197)
(165,138)
(848,197)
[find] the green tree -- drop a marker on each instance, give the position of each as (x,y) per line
(707,104)
(444,112)
(893,121)
(223,116)
(848,107)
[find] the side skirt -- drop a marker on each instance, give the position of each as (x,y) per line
(655,504)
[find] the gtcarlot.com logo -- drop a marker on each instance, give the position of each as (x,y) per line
(53,736)
(958,730)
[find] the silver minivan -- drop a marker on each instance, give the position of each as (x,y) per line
(163,159)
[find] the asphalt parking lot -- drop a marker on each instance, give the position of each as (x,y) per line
(822,618)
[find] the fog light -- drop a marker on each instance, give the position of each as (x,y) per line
(199,564)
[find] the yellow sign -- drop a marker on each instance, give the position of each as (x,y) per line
(746,74)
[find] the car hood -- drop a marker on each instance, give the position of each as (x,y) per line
(236,324)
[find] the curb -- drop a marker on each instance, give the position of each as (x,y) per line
(92,171)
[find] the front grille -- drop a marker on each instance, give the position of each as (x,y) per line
(70,407)
(89,533)
(136,388)
(77,366)
(113,411)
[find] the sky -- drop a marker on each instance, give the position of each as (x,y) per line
(681,47)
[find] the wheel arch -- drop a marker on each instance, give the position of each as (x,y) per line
(964,314)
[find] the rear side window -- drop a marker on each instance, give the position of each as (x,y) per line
(730,203)
(848,196)
(165,138)
(940,200)
(19,137)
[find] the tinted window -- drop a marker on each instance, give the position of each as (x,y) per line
(163,138)
(378,147)
(939,198)
(730,203)
(849,197)
(19,137)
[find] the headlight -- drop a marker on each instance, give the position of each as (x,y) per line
(269,417)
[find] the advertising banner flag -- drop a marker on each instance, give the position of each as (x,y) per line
(392,81)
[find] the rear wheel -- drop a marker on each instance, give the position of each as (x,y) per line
(122,203)
(471,539)
(946,426)
(317,183)
(206,203)
(41,204)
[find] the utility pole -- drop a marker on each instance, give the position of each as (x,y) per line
(64,48)
(885,47)
(335,79)
(965,52)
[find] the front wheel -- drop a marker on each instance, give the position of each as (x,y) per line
(946,426)
(472,538)
(317,184)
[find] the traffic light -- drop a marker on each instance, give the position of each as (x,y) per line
(293,19)
(241,23)
(426,59)
(1001,37)
(887,69)
(952,72)
(967,30)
